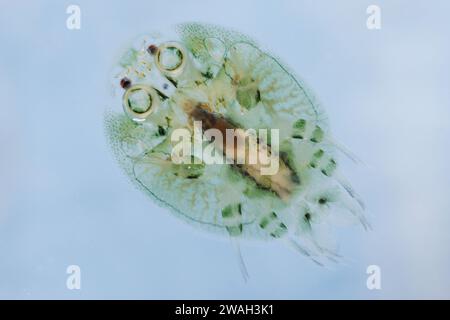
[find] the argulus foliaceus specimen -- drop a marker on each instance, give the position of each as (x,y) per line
(222,78)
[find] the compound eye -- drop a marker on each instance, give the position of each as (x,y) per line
(170,58)
(139,101)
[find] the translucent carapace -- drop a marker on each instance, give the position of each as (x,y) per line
(206,78)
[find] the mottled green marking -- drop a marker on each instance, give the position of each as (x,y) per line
(191,170)
(316,158)
(232,216)
(329,168)
(299,129)
(272,225)
(307,130)
(317,135)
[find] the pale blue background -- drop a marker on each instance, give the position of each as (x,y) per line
(63,199)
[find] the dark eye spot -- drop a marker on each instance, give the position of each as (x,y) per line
(125,83)
(307,216)
(152,49)
(322,201)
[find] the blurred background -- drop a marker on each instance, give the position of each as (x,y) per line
(64,201)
